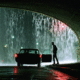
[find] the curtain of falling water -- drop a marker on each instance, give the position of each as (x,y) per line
(14,32)
(17,31)
(23,29)
(50,29)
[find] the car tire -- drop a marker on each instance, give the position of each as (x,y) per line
(18,64)
(39,64)
(21,64)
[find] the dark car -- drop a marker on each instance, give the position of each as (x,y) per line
(28,56)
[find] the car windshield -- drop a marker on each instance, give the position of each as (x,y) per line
(29,51)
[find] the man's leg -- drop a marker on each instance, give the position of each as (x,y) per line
(57,60)
(54,59)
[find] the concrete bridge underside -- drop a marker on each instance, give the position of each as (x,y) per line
(67,13)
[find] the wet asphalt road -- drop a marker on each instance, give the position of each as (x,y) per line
(32,73)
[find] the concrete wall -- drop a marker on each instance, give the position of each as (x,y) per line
(67,14)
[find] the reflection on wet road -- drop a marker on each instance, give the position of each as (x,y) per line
(32,73)
(57,75)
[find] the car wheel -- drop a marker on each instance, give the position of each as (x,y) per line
(18,64)
(39,65)
(21,64)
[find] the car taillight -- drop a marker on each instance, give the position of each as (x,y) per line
(16,55)
(40,56)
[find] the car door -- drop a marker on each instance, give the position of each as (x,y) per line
(46,56)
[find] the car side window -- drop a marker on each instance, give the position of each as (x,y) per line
(37,52)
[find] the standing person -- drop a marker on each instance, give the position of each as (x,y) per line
(54,53)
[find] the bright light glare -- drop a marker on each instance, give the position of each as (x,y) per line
(68,62)
(63,26)
(8,64)
(46,64)
(21,47)
(43,64)
(37,43)
(12,36)
(5,45)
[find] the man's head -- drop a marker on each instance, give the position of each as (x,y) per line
(52,43)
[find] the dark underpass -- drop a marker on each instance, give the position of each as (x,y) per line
(67,15)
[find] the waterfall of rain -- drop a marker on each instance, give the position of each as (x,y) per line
(50,29)
(17,32)
(14,32)
(25,29)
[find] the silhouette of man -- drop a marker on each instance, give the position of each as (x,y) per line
(54,53)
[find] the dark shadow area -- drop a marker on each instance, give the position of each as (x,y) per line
(72,69)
